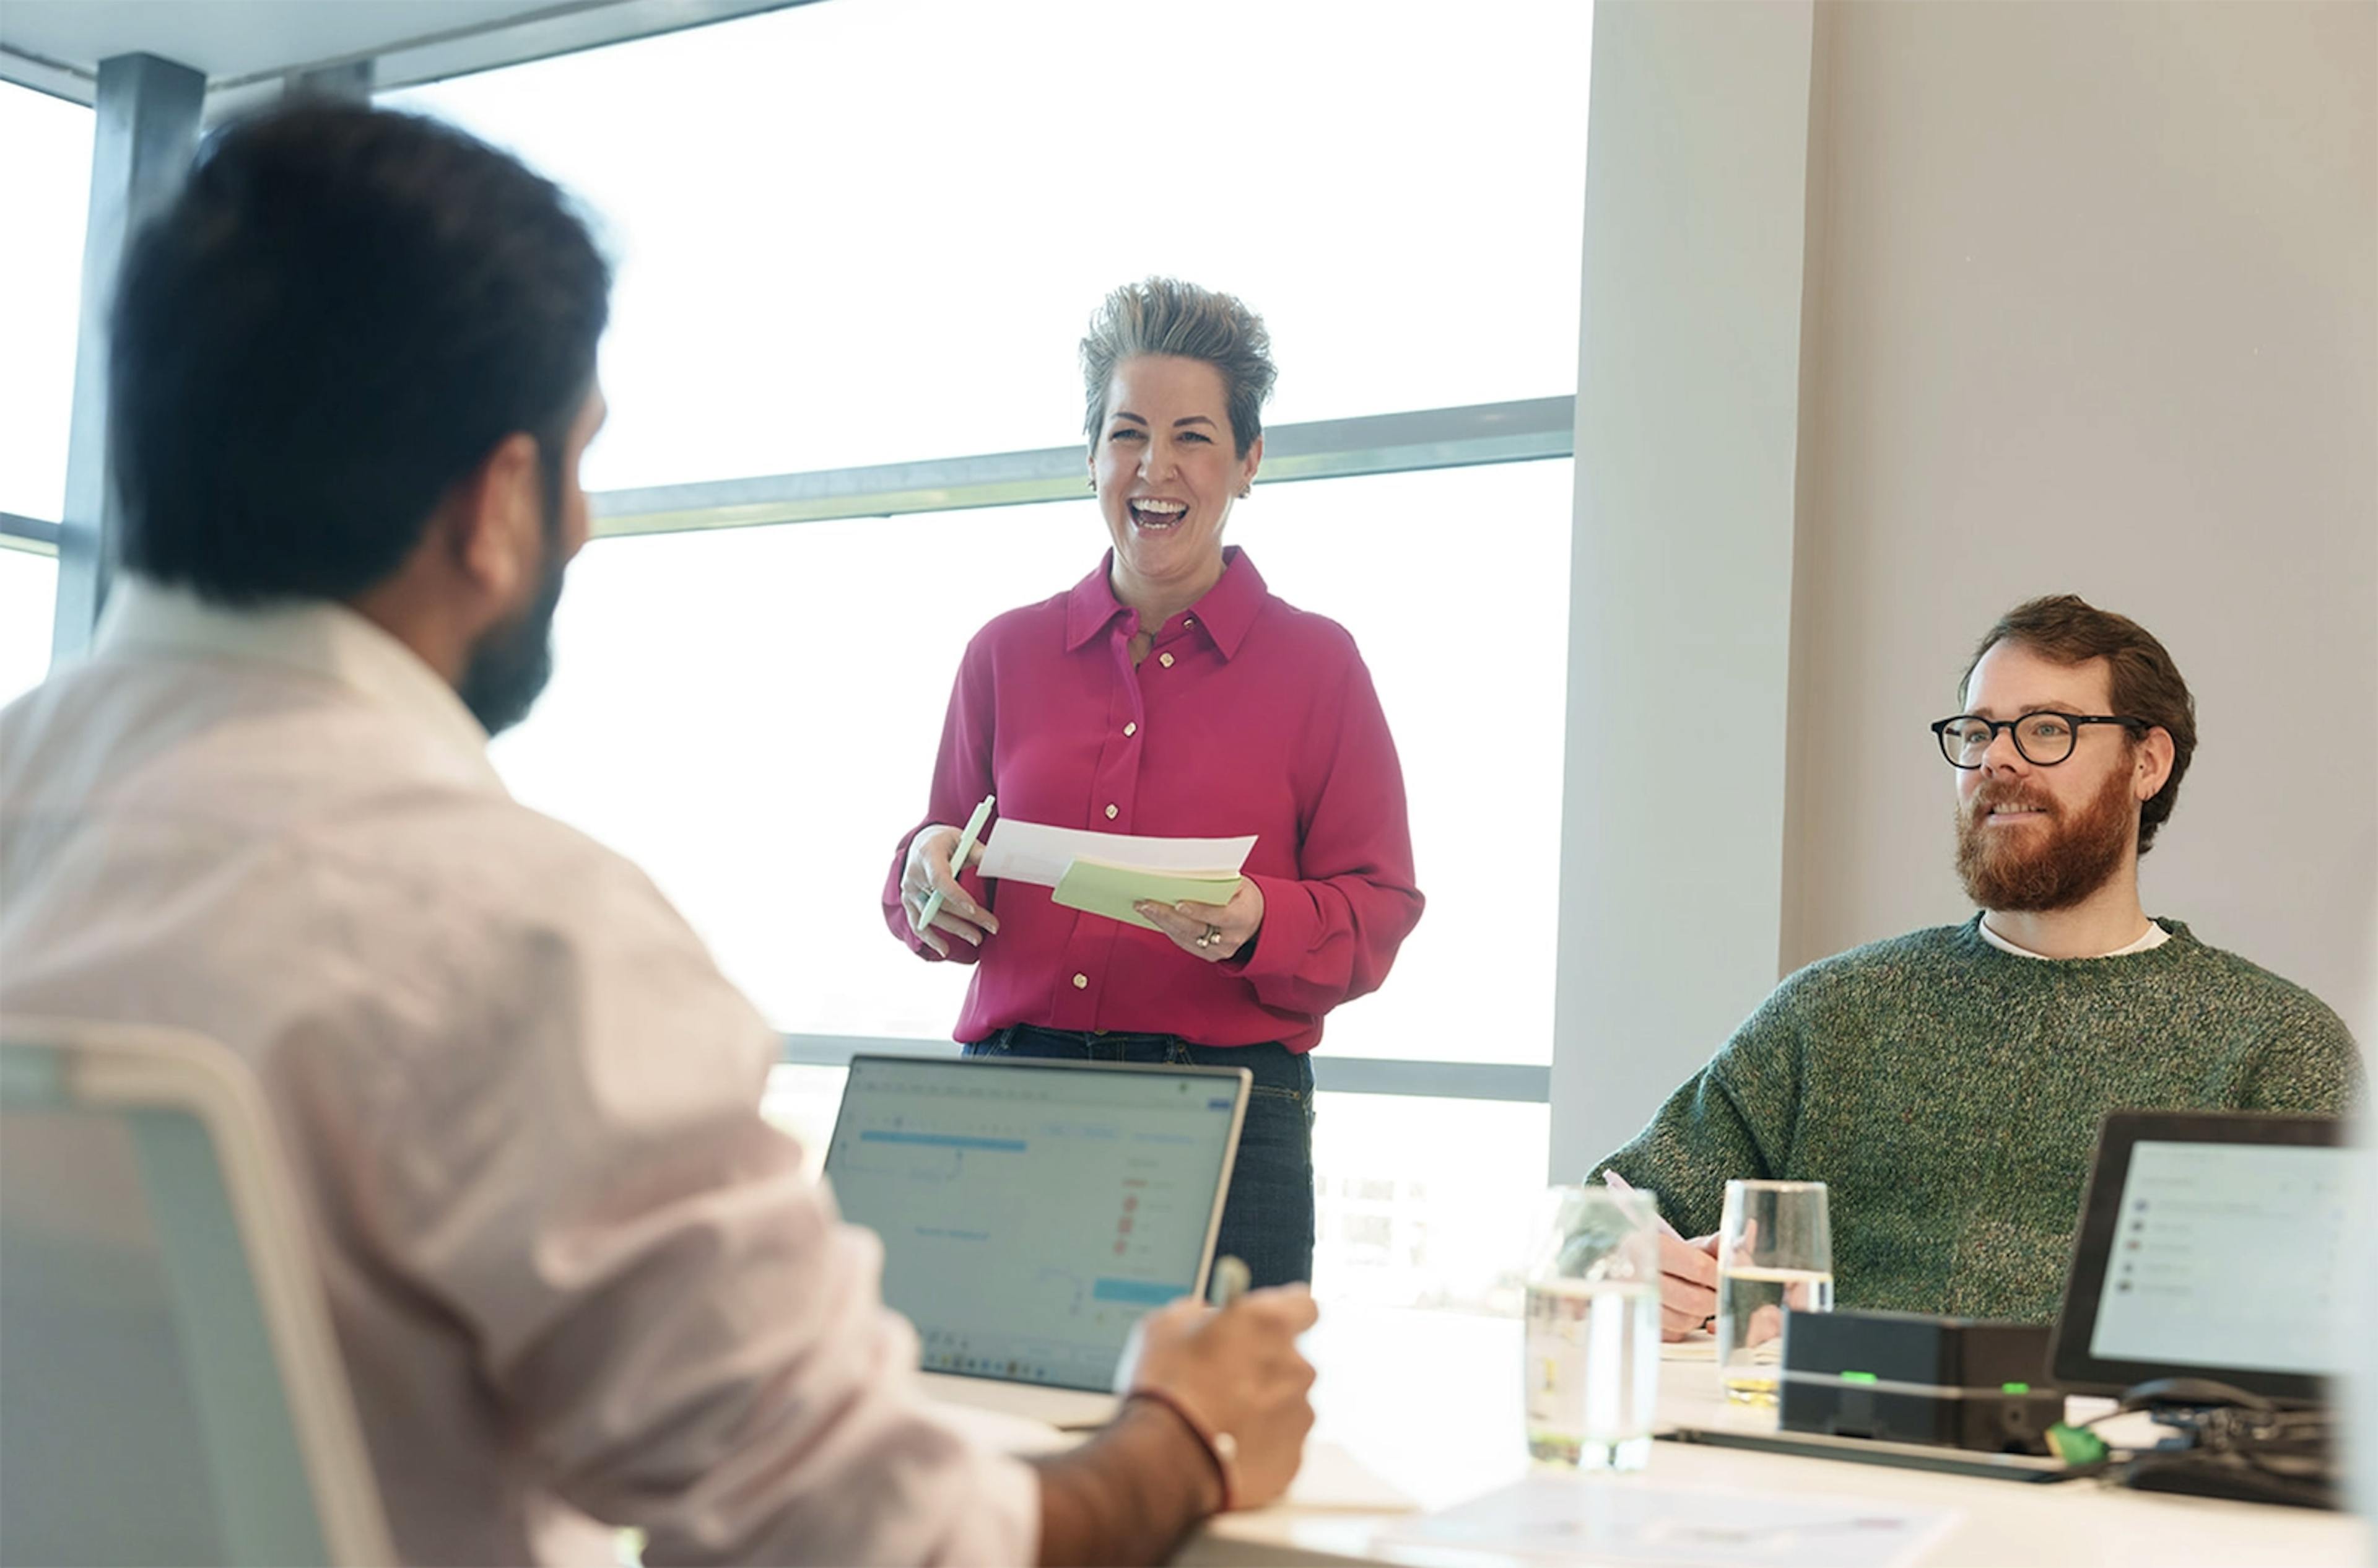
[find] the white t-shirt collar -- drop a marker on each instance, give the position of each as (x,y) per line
(2155,937)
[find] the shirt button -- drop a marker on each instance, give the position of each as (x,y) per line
(1188,620)
(1110,813)
(1081,982)
(1165,659)
(1131,729)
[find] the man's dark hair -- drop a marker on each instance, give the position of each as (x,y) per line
(2067,629)
(337,318)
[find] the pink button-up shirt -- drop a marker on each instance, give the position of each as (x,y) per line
(1248,715)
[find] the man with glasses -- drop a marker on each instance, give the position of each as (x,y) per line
(1947,1085)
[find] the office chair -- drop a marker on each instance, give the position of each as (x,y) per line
(170,1392)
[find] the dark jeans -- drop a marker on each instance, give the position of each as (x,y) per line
(1268,1214)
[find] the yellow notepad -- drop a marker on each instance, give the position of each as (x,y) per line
(1110,891)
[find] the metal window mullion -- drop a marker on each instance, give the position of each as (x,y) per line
(146,131)
(1514,1082)
(1336,448)
(28,533)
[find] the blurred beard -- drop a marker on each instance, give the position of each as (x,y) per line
(510,666)
(2070,860)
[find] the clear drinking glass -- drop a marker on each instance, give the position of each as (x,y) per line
(1592,1369)
(1775,1250)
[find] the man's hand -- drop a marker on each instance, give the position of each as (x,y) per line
(1239,1371)
(1131,1493)
(1687,1272)
(1688,1283)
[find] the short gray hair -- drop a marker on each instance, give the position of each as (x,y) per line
(1166,316)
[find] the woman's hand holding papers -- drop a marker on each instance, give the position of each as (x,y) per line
(1210,931)
(929,869)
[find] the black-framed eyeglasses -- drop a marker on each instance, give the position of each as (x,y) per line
(2044,738)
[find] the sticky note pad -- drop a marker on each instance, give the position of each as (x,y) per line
(1112,891)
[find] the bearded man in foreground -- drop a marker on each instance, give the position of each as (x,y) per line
(1946,1086)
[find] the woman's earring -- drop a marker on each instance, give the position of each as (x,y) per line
(1091,483)
(1247,489)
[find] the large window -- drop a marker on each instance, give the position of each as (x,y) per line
(45,196)
(29,593)
(870,232)
(750,715)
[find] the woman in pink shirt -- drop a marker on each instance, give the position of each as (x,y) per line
(1170,693)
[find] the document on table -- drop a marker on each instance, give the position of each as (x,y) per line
(1331,1480)
(1585,1519)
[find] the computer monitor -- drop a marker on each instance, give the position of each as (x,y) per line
(2213,1245)
(1031,1212)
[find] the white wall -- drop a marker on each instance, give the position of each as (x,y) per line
(2092,304)
(1681,573)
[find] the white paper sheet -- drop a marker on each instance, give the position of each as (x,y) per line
(1034,852)
(1597,1519)
(1333,1481)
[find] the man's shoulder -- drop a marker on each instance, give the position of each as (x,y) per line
(287,776)
(2234,982)
(1915,957)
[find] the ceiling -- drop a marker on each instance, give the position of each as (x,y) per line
(56,45)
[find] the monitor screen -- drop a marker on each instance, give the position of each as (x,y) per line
(2212,1245)
(1031,1212)
(2227,1255)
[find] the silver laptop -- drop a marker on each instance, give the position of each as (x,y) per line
(1031,1212)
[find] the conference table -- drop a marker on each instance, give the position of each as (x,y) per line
(1427,1405)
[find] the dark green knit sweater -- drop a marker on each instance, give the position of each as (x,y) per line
(1948,1095)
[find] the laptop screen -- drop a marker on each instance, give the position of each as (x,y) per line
(2227,1255)
(2212,1246)
(1031,1212)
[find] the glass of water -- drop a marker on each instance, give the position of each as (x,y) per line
(1774,1249)
(1592,1370)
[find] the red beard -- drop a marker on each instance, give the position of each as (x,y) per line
(2021,872)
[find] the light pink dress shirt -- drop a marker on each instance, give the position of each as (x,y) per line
(575,1277)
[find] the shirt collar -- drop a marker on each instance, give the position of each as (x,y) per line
(1228,611)
(316,637)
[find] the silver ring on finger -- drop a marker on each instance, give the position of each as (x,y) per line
(1213,935)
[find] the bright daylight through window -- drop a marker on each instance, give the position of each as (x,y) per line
(834,252)
(44,190)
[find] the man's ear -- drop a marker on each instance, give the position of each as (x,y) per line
(2152,766)
(496,519)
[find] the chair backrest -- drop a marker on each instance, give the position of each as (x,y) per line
(170,1389)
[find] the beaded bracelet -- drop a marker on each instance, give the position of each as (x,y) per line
(1220,1447)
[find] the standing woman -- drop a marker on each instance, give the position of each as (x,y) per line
(1171,693)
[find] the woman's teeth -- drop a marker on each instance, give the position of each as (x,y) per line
(1157,515)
